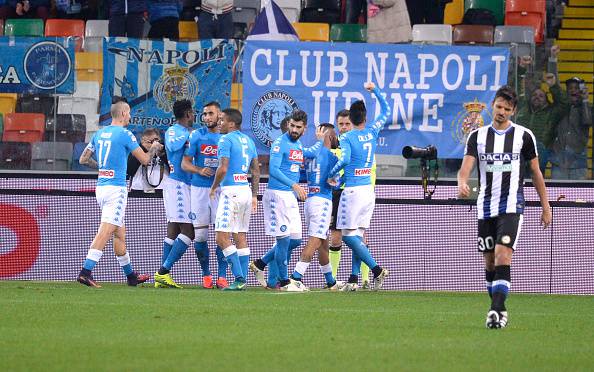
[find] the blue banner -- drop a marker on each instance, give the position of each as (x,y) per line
(36,65)
(152,75)
(438,94)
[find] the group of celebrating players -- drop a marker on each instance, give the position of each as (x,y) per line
(211,169)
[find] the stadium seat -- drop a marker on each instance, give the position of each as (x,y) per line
(348,32)
(69,128)
(390,165)
(93,44)
(188,31)
(77,151)
(36,103)
(432,34)
(312,31)
(66,27)
(7,102)
(23,127)
(495,6)
(245,11)
(89,66)
(291,9)
(92,122)
(520,40)
(454,12)
(527,13)
(97,28)
(51,156)
(23,27)
(473,35)
(321,11)
(236,95)
(15,155)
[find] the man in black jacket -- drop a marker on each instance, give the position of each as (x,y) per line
(147,178)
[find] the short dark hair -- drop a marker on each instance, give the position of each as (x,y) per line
(327,125)
(357,112)
(573,80)
(299,115)
(149,131)
(234,116)
(181,107)
(213,103)
(285,123)
(116,99)
(342,113)
(508,94)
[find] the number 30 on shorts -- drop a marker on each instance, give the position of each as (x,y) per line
(486,244)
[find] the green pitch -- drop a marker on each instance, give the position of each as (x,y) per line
(68,327)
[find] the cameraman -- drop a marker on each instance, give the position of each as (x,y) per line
(149,177)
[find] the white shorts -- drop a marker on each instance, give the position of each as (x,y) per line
(203,207)
(234,209)
(356,207)
(281,214)
(112,201)
(318,212)
(176,197)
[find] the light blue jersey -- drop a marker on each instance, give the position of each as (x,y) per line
(176,142)
(240,150)
(358,149)
(318,169)
(203,150)
(112,145)
(286,159)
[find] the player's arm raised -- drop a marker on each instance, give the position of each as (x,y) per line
(313,151)
(255,171)
(385,111)
(145,157)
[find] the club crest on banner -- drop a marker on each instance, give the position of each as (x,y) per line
(469,119)
(268,112)
(47,65)
(175,84)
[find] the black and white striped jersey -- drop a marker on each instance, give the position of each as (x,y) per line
(501,161)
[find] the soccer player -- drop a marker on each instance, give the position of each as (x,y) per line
(502,150)
(111,146)
(176,195)
(201,160)
(358,197)
(237,155)
(281,211)
(318,210)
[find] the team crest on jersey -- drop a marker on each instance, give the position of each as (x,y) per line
(47,65)
(267,114)
(176,83)
(209,150)
(469,119)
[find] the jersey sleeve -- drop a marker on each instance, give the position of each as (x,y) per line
(382,118)
(92,144)
(174,141)
(313,151)
(224,150)
(471,145)
(193,140)
(130,141)
(345,157)
(529,150)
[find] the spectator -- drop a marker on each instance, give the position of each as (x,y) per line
(569,148)
(426,11)
(536,113)
(216,19)
(76,9)
(353,9)
(164,18)
(28,9)
(388,22)
(126,18)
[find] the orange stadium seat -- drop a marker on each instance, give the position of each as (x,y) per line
(21,127)
(65,28)
(312,31)
(527,13)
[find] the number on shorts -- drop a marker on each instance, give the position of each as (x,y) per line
(486,244)
(102,157)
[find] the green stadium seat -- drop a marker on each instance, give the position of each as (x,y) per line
(23,27)
(348,32)
(496,6)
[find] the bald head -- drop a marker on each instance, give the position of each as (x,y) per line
(120,113)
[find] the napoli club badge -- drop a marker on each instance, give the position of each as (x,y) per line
(267,114)
(47,65)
